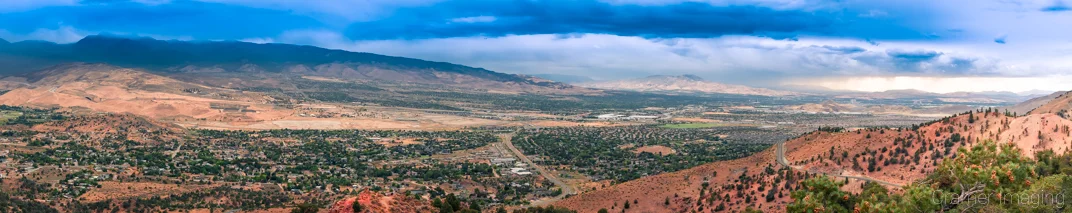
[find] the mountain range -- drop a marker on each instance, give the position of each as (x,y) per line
(565,78)
(177,57)
(682,83)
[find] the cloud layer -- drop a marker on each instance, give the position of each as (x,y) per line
(759,42)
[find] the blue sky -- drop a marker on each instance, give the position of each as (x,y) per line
(1026,44)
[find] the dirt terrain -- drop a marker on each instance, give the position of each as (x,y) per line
(119,190)
(1059,104)
(656,149)
(104,88)
(111,89)
(376,202)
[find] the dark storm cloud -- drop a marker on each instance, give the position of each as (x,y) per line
(1057,6)
(678,20)
(911,61)
(913,56)
(181,18)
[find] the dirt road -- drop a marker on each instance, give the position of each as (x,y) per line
(784,162)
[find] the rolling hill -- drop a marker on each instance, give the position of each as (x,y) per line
(1030,104)
(565,78)
(173,57)
(682,83)
(1058,103)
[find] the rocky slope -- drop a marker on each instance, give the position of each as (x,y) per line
(682,83)
(376,202)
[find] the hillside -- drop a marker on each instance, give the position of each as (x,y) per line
(682,83)
(924,96)
(1030,104)
(242,57)
(564,78)
(1059,104)
(107,88)
(893,156)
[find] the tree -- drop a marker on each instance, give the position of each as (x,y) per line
(603,210)
(771,193)
(667,202)
(357,207)
(501,210)
(455,204)
(305,208)
(999,172)
(475,206)
(820,194)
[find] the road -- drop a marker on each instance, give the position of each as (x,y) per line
(566,189)
(784,162)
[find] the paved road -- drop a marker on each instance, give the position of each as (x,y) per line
(784,162)
(566,189)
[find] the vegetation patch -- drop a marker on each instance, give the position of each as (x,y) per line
(690,125)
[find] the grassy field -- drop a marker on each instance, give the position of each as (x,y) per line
(690,125)
(6,115)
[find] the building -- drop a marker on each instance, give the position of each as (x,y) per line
(610,116)
(641,117)
(520,171)
(502,161)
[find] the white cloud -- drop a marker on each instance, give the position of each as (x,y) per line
(62,34)
(940,84)
(258,40)
(67,34)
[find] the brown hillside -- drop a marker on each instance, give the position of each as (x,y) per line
(896,156)
(376,202)
(1058,105)
(1025,107)
(111,89)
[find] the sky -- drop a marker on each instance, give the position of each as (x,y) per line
(937,46)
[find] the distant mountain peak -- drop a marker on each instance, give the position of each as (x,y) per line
(108,36)
(687,77)
(692,77)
